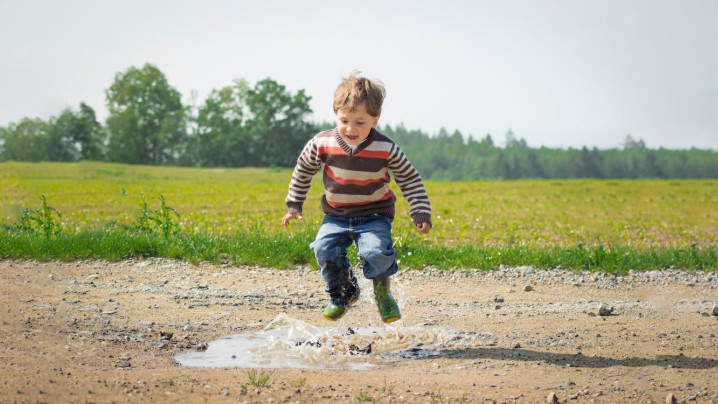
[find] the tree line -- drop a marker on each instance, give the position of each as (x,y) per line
(265,125)
(453,158)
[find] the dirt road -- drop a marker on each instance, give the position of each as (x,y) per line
(108,332)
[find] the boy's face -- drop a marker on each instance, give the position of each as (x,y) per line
(354,126)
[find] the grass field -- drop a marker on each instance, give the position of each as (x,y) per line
(235,214)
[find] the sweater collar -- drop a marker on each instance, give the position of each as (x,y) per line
(361,146)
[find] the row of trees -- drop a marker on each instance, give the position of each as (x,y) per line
(71,136)
(262,125)
(239,125)
(452,158)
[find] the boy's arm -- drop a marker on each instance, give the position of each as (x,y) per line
(308,164)
(412,188)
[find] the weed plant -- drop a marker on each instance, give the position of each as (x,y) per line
(45,221)
(165,219)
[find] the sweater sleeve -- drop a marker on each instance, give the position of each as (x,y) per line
(411,186)
(308,164)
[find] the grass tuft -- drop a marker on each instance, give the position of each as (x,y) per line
(259,379)
(301,382)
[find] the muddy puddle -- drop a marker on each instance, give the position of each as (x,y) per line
(290,343)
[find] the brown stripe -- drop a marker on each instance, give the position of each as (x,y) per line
(354,163)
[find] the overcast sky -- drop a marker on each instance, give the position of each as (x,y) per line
(558,73)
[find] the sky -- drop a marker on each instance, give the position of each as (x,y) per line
(557,73)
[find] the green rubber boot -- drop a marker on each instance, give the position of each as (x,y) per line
(337,308)
(334,312)
(385,302)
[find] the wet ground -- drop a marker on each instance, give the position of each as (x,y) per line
(291,343)
(149,331)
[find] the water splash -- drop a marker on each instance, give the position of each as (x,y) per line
(291,343)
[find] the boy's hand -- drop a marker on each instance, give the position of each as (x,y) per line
(289,216)
(423,227)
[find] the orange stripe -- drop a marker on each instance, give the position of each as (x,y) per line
(331,150)
(374,154)
(343,204)
(328,171)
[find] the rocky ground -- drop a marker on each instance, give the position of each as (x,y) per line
(94,331)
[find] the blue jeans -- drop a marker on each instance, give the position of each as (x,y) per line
(372,235)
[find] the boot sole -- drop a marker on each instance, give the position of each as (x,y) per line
(335,318)
(346,309)
(391,319)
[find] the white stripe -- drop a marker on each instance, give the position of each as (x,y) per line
(327,141)
(359,175)
(344,198)
(379,146)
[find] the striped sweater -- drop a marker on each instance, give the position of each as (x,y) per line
(356,181)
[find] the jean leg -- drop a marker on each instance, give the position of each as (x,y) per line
(330,250)
(376,247)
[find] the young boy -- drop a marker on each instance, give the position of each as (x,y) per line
(357,202)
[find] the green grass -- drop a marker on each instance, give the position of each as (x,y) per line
(113,211)
(281,251)
(259,379)
(284,251)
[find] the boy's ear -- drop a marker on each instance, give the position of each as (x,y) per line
(376,121)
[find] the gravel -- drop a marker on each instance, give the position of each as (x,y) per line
(530,275)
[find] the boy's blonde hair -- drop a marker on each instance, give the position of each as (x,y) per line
(356,90)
